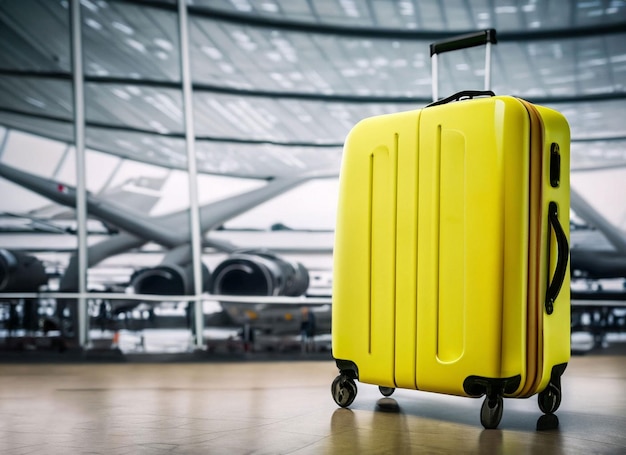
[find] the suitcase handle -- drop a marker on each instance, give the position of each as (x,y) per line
(464,41)
(562,257)
(483,37)
(469,94)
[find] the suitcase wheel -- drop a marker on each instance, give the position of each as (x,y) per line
(549,399)
(343,390)
(386,391)
(491,412)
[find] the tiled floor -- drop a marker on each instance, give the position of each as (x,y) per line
(281,407)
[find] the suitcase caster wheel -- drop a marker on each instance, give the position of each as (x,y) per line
(549,399)
(343,390)
(491,412)
(386,391)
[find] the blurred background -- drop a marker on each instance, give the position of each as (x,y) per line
(168,171)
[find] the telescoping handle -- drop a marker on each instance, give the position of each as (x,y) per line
(484,37)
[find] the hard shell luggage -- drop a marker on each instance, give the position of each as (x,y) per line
(451,252)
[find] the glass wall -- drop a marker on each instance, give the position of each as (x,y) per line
(276,86)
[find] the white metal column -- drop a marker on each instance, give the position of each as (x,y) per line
(193,175)
(81,200)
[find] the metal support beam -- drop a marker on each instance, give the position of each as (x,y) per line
(81,200)
(3,142)
(194,211)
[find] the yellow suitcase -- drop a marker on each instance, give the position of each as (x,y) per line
(451,247)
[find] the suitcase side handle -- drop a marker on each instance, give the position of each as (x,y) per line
(465,94)
(464,41)
(554,287)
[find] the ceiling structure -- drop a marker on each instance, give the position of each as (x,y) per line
(277,84)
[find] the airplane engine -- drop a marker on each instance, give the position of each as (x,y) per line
(259,273)
(167,279)
(20,272)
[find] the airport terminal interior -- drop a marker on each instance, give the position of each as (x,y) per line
(172,179)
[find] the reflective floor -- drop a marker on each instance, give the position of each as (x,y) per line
(285,407)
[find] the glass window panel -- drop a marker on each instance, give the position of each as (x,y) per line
(605,190)
(311,206)
(135,106)
(282,120)
(139,146)
(437,15)
(127,40)
(599,119)
(37,96)
(67,171)
(53,129)
(267,59)
(19,200)
(35,35)
(136,186)
(34,154)
(598,154)
(213,188)
(265,160)
(99,167)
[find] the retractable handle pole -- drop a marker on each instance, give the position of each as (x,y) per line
(484,37)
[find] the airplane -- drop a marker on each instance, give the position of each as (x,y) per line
(591,256)
(598,255)
(598,248)
(20,272)
(260,272)
(256,272)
